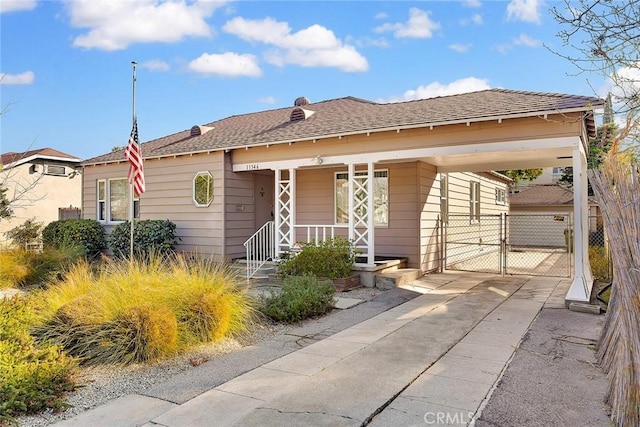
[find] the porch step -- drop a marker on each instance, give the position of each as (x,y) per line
(393,279)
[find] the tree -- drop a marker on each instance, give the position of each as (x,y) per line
(5,208)
(518,175)
(602,38)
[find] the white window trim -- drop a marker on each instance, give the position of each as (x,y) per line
(48,169)
(193,189)
(474,201)
(98,200)
(501,196)
(107,201)
(444,197)
(358,173)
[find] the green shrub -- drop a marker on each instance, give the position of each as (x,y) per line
(28,232)
(138,310)
(300,297)
(599,261)
(333,258)
(149,236)
(33,376)
(85,233)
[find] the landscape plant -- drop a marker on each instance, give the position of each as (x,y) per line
(26,233)
(33,375)
(299,298)
(137,310)
(88,234)
(21,268)
(150,236)
(332,259)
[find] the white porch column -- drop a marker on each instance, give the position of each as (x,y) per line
(351,173)
(284,218)
(370,217)
(580,290)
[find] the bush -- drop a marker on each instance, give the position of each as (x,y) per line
(139,310)
(33,376)
(332,259)
(22,268)
(85,233)
(599,261)
(27,233)
(300,297)
(150,236)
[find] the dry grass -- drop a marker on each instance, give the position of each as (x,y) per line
(133,311)
(616,186)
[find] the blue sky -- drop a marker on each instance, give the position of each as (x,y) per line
(66,74)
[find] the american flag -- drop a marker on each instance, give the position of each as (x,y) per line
(134,155)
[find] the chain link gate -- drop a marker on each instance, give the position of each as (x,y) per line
(527,244)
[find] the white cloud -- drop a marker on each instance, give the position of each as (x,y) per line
(474,19)
(432,90)
(419,26)
(521,40)
(460,48)
(381,15)
(524,10)
(268,100)
(17,5)
(315,46)
(114,25)
(25,78)
(155,65)
(227,64)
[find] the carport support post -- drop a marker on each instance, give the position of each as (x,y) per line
(580,290)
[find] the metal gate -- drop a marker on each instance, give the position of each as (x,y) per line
(533,245)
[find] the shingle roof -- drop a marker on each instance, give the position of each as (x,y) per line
(13,157)
(544,194)
(352,115)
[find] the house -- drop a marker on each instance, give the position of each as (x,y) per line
(547,208)
(369,171)
(45,184)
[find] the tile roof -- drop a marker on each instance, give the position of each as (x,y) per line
(12,157)
(543,194)
(352,115)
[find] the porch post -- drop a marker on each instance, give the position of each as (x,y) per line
(351,173)
(284,218)
(370,212)
(580,290)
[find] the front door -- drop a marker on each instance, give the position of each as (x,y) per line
(263,196)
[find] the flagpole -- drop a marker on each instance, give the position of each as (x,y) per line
(131,198)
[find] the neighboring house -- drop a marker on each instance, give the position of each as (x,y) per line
(550,175)
(549,209)
(307,169)
(46,183)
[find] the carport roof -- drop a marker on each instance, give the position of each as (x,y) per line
(351,115)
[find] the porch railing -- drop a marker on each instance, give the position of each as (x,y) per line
(260,248)
(321,232)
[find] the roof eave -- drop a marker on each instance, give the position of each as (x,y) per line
(398,128)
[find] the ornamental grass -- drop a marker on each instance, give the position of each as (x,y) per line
(136,311)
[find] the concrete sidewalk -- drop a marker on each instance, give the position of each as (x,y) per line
(437,355)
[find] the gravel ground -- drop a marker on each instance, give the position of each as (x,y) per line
(100,384)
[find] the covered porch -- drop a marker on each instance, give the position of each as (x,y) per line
(292,224)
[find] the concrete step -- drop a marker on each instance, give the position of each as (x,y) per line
(393,279)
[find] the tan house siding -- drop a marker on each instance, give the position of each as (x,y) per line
(169,195)
(473,238)
(49,193)
(429,203)
(239,210)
